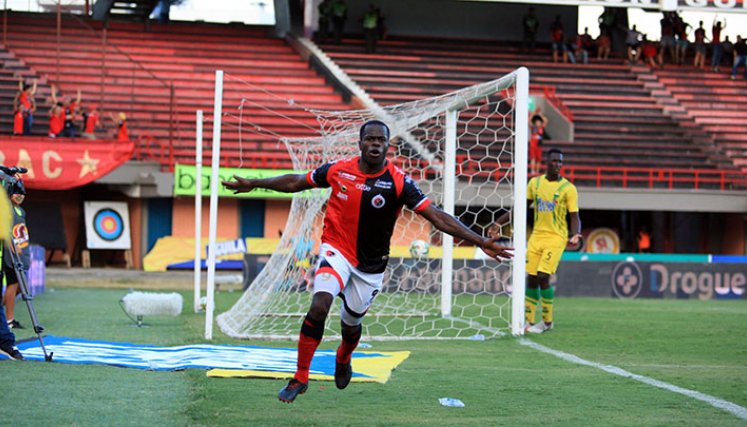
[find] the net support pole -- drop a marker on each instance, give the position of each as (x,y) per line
(449,177)
(198,209)
(214,177)
(521,141)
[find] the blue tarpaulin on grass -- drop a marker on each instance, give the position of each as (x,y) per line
(203,356)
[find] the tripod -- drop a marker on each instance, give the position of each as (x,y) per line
(27,297)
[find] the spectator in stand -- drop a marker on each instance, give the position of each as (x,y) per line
(607,22)
(537,124)
(740,57)
(584,44)
(56,120)
(727,48)
(716,46)
(648,49)
(69,111)
(558,40)
(700,46)
(122,132)
(667,38)
(570,47)
(24,100)
(680,30)
(633,41)
(164,9)
(604,46)
(339,16)
(325,19)
(91,121)
(381,24)
(531,25)
(370,28)
(18,121)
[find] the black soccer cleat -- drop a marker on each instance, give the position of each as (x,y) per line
(11,352)
(289,392)
(343,374)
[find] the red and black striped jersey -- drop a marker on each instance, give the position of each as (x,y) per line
(363,209)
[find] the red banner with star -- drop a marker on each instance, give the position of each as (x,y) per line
(61,164)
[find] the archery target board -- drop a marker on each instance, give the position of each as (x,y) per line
(107,225)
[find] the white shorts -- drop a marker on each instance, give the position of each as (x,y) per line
(335,275)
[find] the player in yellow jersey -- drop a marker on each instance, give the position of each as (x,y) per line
(552,198)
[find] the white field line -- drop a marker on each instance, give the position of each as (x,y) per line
(738,411)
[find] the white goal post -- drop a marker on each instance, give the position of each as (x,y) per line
(475,169)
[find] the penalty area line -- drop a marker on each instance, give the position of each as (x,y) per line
(738,411)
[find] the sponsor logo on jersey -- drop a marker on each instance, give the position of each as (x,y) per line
(378,201)
(362,187)
(342,196)
(545,205)
(383,184)
(348,176)
(343,188)
(329,253)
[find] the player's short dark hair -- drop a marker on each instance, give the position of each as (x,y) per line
(374,122)
(554,150)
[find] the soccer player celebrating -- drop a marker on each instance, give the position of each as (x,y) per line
(368,193)
(553,197)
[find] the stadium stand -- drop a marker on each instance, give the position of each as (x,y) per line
(715,103)
(124,68)
(618,122)
(11,71)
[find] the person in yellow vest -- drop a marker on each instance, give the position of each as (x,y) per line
(339,16)
(553,198)
(371,28)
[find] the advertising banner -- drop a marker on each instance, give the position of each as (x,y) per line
(61,164)
(185,181)
(619,278)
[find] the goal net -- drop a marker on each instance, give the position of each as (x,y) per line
(468,152)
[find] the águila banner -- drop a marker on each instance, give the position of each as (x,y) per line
(61,164)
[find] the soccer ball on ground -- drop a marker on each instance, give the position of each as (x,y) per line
(419,249)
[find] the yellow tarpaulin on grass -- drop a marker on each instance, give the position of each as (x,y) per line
(368,366)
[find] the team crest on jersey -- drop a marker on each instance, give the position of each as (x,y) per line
(378,201)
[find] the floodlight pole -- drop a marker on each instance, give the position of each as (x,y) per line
(198,209)
(214,177)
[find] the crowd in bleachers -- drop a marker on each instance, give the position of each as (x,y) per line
(68,117)
(675,46)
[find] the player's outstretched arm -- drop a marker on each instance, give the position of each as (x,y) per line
(289,183)
(450,225)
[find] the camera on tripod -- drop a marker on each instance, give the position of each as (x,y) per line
(11,184)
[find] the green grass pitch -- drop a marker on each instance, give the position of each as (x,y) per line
(693,344)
